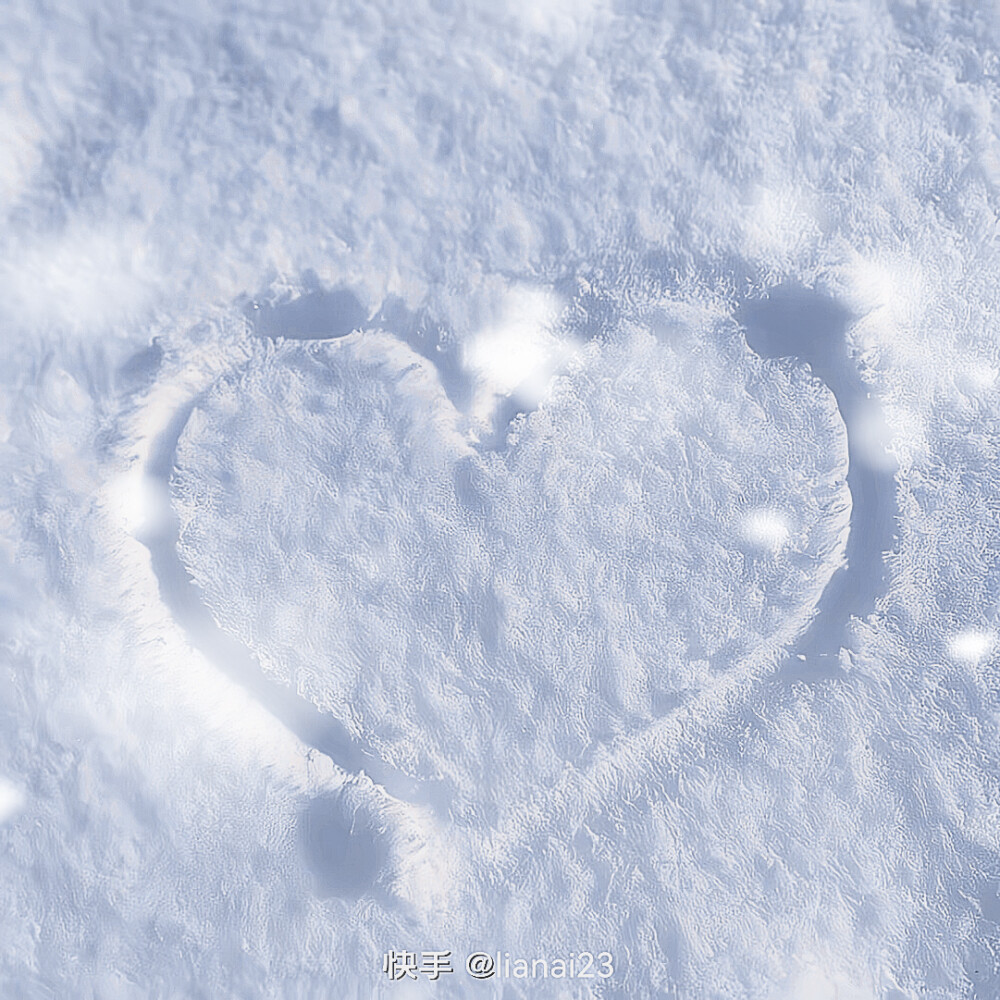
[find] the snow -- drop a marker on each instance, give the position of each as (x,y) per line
(972,646)
(514,477)
(519,354)
(767,529)
(11,800)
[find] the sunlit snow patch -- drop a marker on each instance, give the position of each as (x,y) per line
(134,499)
(975,379)
(85,279)
(890,295)
(814,981)
(972,646)
(11,800)
(520,353)
(778,222)
(766,529)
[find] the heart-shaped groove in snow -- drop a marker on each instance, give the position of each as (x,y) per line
(519,626)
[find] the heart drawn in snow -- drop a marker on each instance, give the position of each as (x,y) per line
(487,619)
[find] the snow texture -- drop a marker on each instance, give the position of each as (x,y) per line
(516,477)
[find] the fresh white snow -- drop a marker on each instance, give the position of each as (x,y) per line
(513,477)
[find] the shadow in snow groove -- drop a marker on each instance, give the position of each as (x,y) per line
(314,728)
(799,323)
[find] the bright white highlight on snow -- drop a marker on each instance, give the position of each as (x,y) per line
(766,529)
(872,436)
(890,296)
(520,353)
(778,221)
(888,288)
(87,278)
(133,496)
(972,646)
(11,800)
(816,981)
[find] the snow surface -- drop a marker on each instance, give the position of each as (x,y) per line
(512,477)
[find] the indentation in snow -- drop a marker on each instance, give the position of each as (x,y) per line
(871,436)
